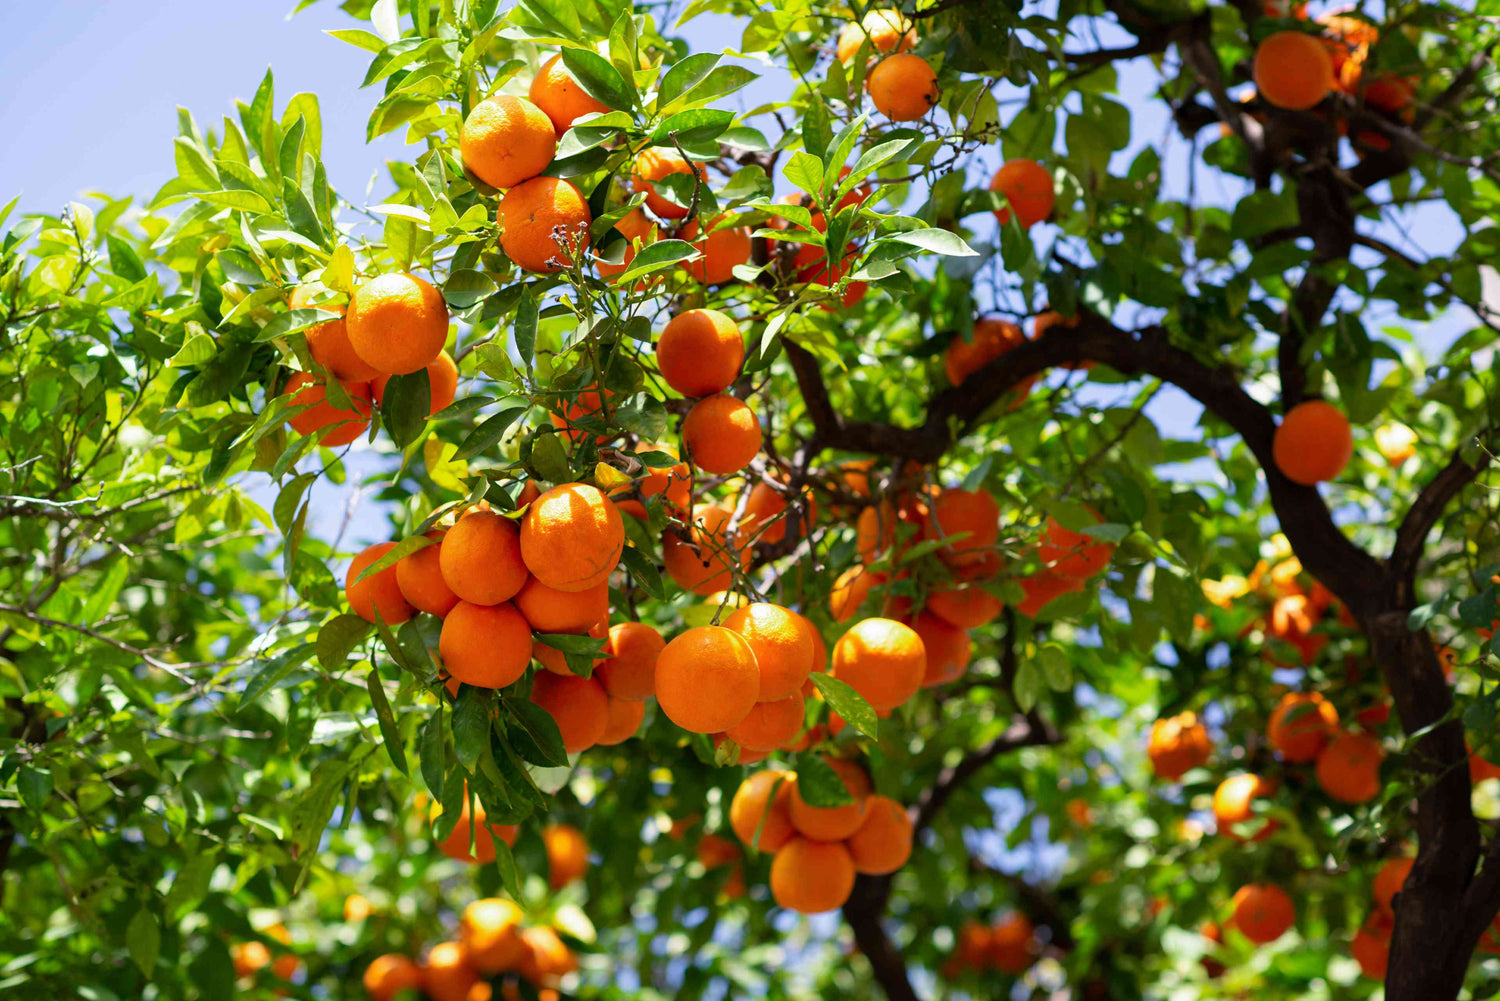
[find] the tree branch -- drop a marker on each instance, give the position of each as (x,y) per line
(1411,535)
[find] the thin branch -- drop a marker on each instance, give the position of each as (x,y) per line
(1411,535)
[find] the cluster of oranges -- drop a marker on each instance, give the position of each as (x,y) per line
(817,851)
(1007,944)
(249,958)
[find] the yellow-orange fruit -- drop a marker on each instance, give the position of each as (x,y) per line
(248,957)
(1301,725)
(567,854)
(1348,769)
(1262,912)
(579,706)
(397,323)
(487,646)
(1073,554)
(833,823)
(1177,745)
(622,720)
(347,425)
(886,30)
(628,671)
(883,842)
(812,876)
(543,223)
(763,803)
(356,908)
(883,660)
(1396,442)
(447,975)
(1313,443)
(1293,70)
(1371,946)
(475,827)
(1011,945)
(769,724)
(556,661)
(850,590)
(946,647)
(572,537)
(1028,191)
(481,558)
(767,506)
(700,352)
(420,578)
(654,164)
(554,90)
(705,564)
(547,957)
(549,610)
(1043,588)
(638,231)
(972,514)
(490,931)
(903,87)
(673,483)
(1234,806)
(722,249)
(442,383)
(965,607)
(722,434)
(328,343)
(388,975)
(783,646)
(1388,882)
(506,140)
(707,680)
(377,591)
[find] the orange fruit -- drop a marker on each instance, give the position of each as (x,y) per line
(706,563)
(456,845)
(347,425)
(1301,725)
(761,804)
(707,680)
(903,87)
(992,338)
(883,660)
(1262,912)
(638,231)
(722,249)
(531,213)
(811,877)
(377,591)
(506,140)
(480,558)
(249,957)
(722,434)
(850,591)
(1293,70)
(585,404)
(1349,768)
(946,646)
(1388,882)
(1233,805)
(1371,947)
(397,323)
(622,719)
(883,842)
(700,352)
(556,661)
(356,908)
(628,671)
(548,610)
(442,383)
(1313,443)
(654,164)
(1177,745)
(672,483)
(572,537)
(1012,945)
(745,756)
(965,607)
(833,823)
(1043,588)
(886,30)
(975,515)
(420,578)
(547,957)
(579,706)
(389,975)
(567,854)
(714,851)
(487,646)
(783,646)
(1396,442)
(1389,93)
(769,724)
(1028,191)
(1074,554)
(490,932)
(1347,41)
(447,975)
(554,90)
(766,506)
(328,343)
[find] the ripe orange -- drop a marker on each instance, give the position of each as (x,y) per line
(833,823)
(882,659)
(487,646)
(812,876)
(810,264)
(903,87)
(585,404)
(722,249)
(707,680)
(249,957)
(767,505)
(356,908)
(745,755)
(722,434)
(1396,442)
(442,383)
(547,957)
(1233,805)
(1293,70)
(628,671)
(965,607)
(1074,554)
(481,558)
(992,338)
(700,352)
(1347,41)
(1349,768)
(1371,946)
(673,483)
(377,591)
(654,164)
(714,851)
(1389,881)
(850,591)
(1301,725)
(622,720)
(397,323)
(328,343)
(579,706)
(761,804)
(555,661)
(347,425)
(1012,945)
(506,140)
(783,646)
(975,515)
(543,223)
(1313,443)
(769,724)
(1262,912)
(638,231)
(420,578)
(1043,588)
(490,931)
(567,854)
(554,90)
(389,975)
(1177,745)
(549,610)
(456,845)
(946,646)
(887,31)
(705,564)
(447,975)
(572,537)
(1027,188)
(883,842)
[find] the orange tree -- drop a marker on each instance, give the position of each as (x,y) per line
(1105,572)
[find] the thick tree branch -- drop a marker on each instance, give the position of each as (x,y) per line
(1411,535)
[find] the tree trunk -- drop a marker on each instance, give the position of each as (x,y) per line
(863,911)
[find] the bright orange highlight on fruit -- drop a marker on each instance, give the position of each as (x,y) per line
(783,646)
(442,383)
(812,877)
(328,343)
(722,434)
(481,558)
(628,671)
(1177,745)
(700,352)
(572,537)
(903,87)
(883,842)
(547,957)
(447,975)
(1301,725)
(1313,443)
(543,223)
(1349,768)
(1396,442)
(420,578)
(377,591)
(1348,41)
(549,610)
(487,646)
(1293,70)
(887,31)
(554,90)
(506,140)
(456,845)
(850,591)
(769,724)
(320,413)
(883,660)
(490,931)
(705,564)
(579,706)
(1262,912)
(1233,805)
(965,607)
(754,808)
(707,679)
(389,975)
(654,164)
(567,854)
(397,323)
(1027,188)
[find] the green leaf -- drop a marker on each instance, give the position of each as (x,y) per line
(1056,668)
(389,732)
(143,939)
(848,703)
(359,38)
(692,127)
(684,75)
(655,257)
(35,785)
(471,723)
(540,732)
(819,785)
(394,555)
(938,241)
(273,671)
(294,321)
(337,637)
(404,408)
(194,167)
(432,752)
(805,171)
(598,78)
(488,434)
(198,348)
(525,328)
(549,459)
(1028,685)
(644,571)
